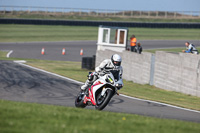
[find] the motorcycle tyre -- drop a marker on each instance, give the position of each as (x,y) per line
(80,104)
(106,101)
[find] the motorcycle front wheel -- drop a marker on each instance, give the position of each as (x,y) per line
(102,101)
(79,101)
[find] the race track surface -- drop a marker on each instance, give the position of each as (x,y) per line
(20,83)
(53,50)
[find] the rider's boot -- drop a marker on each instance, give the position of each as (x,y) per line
(85,86)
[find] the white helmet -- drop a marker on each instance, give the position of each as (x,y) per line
(116,60)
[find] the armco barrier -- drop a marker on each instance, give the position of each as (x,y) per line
(97,23)
(170,71)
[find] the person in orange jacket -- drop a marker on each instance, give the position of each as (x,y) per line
(133,42)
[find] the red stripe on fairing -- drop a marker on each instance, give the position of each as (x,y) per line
(91,93)
(86,99)
(92,97)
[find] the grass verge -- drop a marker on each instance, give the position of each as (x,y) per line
(3,54)
(31,33)
(38,118)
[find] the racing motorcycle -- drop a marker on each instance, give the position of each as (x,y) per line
(100,92)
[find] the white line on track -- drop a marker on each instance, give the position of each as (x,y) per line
(134,98)
(160,103)
(9,53)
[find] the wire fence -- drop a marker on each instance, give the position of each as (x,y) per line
(5,10)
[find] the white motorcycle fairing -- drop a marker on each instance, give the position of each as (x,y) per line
(100,93)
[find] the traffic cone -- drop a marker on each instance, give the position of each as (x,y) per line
(63,51)
(81,52)
(42,51)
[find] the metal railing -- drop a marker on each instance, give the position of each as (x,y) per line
(4,10)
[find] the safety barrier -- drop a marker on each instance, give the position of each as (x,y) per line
(88,63)
(170,71)
(97,23)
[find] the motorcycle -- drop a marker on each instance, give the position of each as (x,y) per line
(100,92)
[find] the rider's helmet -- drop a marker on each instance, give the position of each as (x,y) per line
(116,60)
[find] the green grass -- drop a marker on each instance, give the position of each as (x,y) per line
(175,50)
(18,117)
(31,33)
(3,54)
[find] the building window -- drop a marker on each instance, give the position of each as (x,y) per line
(105,35)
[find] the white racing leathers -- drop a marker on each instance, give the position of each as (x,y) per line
(191,49)
(107,64)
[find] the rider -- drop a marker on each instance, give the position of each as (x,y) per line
(113,64)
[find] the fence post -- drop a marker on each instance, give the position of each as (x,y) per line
(63,11)
(191,13)
(131,13)
(148,14)
(12,11)
(156,14)
(151,82)
(80,12)
(174,14)
(140,13)
(28,10)
(4,12)
(198,68)
(88,12)
(165,14)
(97,12)
(54,11)
(70,11)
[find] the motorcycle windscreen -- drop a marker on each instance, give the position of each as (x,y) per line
(115,74)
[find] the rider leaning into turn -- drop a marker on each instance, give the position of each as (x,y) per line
(113,64)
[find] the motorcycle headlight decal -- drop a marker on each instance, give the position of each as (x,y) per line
(110,79)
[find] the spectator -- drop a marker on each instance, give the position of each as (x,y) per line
(190,48)
(138,49)
(133,42)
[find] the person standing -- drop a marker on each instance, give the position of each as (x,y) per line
(133,42)
(190,48)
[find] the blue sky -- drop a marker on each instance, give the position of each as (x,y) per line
(148,5)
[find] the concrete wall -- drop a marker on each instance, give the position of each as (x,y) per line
(136,67)
(175,72)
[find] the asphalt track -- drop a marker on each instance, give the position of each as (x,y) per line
(21,83)
(53,50)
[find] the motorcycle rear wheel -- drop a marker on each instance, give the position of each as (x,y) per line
(102,105)
(79,101)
